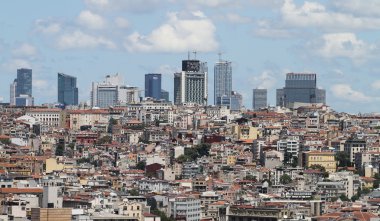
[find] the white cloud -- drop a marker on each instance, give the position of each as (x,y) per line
(122,22)
(376,85)
(14,64)
(125,5)
(167,70)
(344,45)
(236,18)
(267,30)
(46,27)
(314,14)
(91,20)
(213,3)
(40,84)
(78,39)
(345,92)
(364,8)
(25,50)
(179,34)
(266,80)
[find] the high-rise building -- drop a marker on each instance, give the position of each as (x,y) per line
(12,93)
(300,88)
(153,86)
(165,95)
(190,85)
(21,88)
(259,98)
(67,89)
(222,80)
(236,101)
(112,92)
(24,82)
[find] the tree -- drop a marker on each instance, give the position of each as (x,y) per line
(152,203)
(59,149)
(5,141)
(343,159)
(295,162)
(104,140)
(344,198)
(285,179)
(133,192)
(181,159)
(250,177)
(141,165)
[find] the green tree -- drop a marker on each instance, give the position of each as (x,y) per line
(5,141)
(343,159)
(104,140)
(141,165)
(343,197)
(295,162)
(133,192)
(182,158)
(285,179)
(250,177)
(151,201)
(60,149)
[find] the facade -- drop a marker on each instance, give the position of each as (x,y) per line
(290,147)
(67,89)
(112,92)
(300,88)
(222,80)
(21,89)
(259,98)
(325,159)
(48,118)
(185,208)
(153,86)
(353,146)
(236,101)
(165,95)
(190,86)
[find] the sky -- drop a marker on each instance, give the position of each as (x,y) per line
(264,40)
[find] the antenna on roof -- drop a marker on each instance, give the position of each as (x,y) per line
(188,55)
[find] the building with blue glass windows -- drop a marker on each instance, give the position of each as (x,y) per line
(300,88)
(67,89)
(153,86)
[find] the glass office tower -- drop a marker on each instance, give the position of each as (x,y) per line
(153,86)
(67,89)
(222,80)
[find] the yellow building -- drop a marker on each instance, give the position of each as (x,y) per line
(52,164)
(231,160)
(245,132)
(325,159)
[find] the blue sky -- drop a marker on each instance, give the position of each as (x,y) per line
(264,39)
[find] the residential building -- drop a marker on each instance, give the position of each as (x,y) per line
(67,89)
(186,208)
(353,146)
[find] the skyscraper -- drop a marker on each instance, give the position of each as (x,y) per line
(153,86)
(236,101)
(21,88)
(190,85)
(165,95)
(222,80)
(24,82)
(67,89)
(259,98)
(300,88)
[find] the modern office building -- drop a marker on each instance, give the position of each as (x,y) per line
(21,88)
(300,88)
(222,80)
(190,85)
(24,82)
(236,101)
(165,95)
(67,89)
(112,92)
(153,86)
(259,98)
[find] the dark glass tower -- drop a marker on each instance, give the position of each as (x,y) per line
(24,82)
(300,88)
(259,98)
(153,86)
(67,89)
(222,80)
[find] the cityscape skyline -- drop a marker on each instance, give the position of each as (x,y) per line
(92,42)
